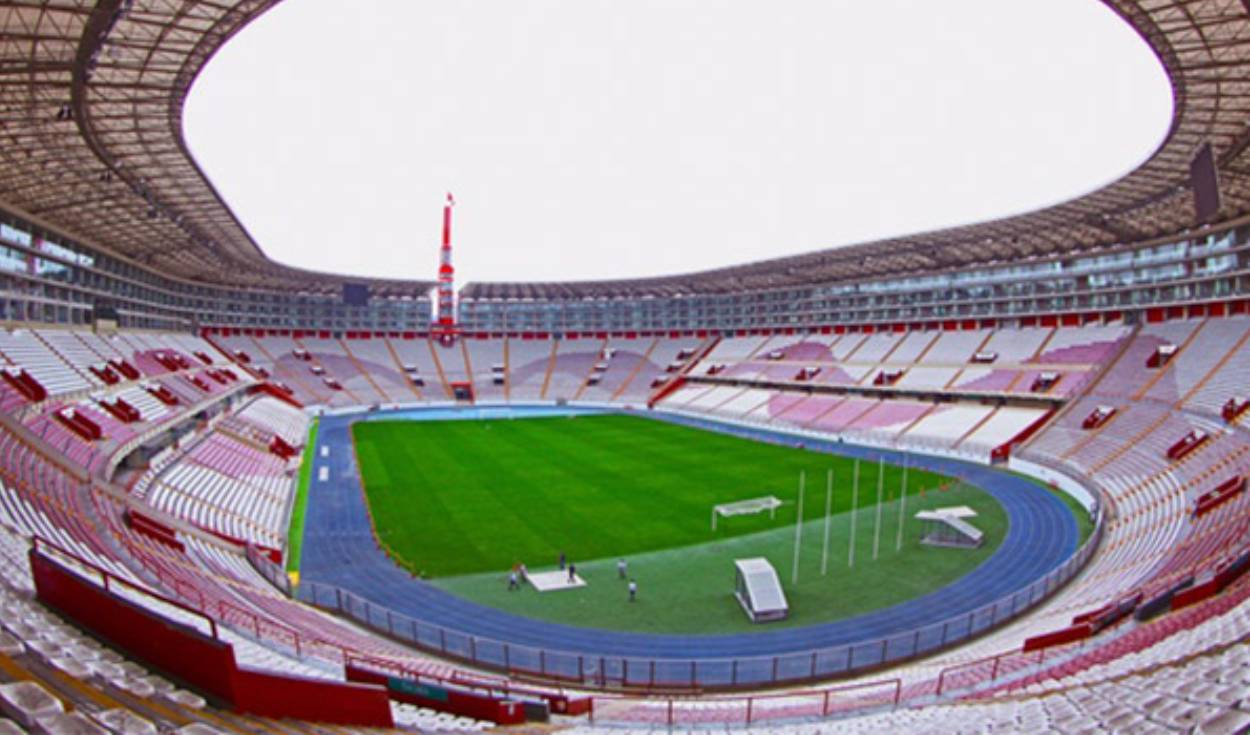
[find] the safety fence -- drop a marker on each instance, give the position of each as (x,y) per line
(656,673)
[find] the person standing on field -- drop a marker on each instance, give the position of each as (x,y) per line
(621,568)
(633,590)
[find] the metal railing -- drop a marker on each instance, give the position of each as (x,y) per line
(744,711)
(273,573)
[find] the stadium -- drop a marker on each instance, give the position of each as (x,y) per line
(991,477)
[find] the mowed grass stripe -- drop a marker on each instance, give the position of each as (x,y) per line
(464,497)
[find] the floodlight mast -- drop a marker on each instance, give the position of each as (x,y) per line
(446,324)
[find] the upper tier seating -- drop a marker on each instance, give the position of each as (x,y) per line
(912,347)
(1087,345)
(1129,376)
(332,358)
(450,361)
(382,369)
(574,363)
(875,348)
(956,348)
(25,348)
(377,359)
(926,360)
(1017,345)
(529,364)
(629,370)
(75,364)
(275,358)
(488,359)
(1191,376)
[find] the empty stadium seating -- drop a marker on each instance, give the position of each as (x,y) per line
(1177,518)
(974,426)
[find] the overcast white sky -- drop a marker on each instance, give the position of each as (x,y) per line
(590,139)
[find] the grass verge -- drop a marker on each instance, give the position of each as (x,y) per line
(295,534)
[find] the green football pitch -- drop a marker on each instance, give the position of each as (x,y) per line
(461,502)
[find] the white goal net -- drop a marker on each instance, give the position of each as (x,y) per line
(752,506)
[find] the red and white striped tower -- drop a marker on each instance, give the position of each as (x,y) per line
(447,275)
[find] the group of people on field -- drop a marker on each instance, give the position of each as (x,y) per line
(519,573)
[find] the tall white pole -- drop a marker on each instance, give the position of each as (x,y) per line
(850,554)
(876,529)
(798,529)
(902,509)
(824,549)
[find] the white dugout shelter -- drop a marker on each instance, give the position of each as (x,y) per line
(759,590)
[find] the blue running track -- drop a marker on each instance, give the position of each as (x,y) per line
(339,550)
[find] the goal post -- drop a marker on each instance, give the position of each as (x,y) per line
(752,506)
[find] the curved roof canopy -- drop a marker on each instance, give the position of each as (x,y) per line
(93,145)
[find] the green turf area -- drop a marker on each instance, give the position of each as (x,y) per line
(295,534)
(462,501)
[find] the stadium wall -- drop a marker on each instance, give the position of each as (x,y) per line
(206,663)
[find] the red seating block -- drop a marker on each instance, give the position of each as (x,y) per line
(25,384)
(807,373)
(106,373)
(1044,382)
(77,422)
(130,372)
(281,447)
(1187,444)
(163,394)
(277,390)
(1234,407)
(1099,416)
(121,410)
(1227,490)
(1058,637)
(888,377)
(1161,356)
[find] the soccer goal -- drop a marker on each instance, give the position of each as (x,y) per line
(768,503)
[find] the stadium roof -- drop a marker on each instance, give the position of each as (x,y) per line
(91,113)
(92,135)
